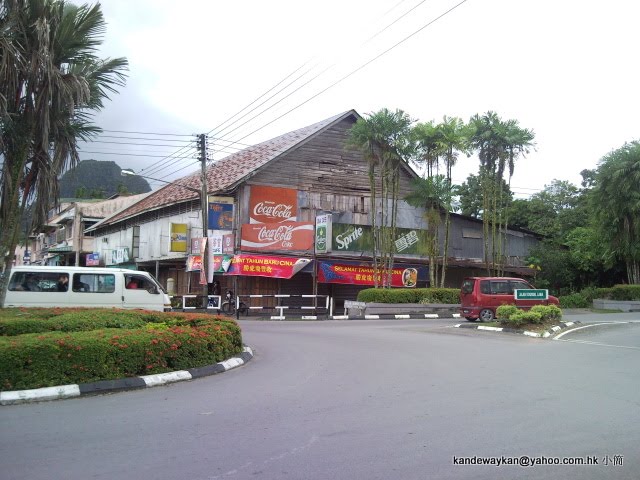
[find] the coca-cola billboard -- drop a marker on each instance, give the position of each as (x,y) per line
(277,236)
(272,204)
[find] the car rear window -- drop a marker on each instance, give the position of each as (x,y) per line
(467,286)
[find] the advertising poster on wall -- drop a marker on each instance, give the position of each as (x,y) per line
(178,242)
(269,237)
(194,263)
(359,238)
(354,273)
(266,266)
(323,233)
(93,259)
(229,243)
(272,204)
(198,245)
(220,216)
(215,243)
(119,255)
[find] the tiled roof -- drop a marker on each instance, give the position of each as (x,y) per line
(224,174)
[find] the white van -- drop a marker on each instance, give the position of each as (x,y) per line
(34,286)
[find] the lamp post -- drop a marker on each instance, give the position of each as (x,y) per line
(202,193)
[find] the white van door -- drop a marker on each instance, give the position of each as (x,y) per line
(141,292)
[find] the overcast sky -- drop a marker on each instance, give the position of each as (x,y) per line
(566,69)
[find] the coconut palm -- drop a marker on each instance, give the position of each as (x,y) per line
(51,82)
(383,138)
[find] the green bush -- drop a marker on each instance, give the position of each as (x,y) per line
(410,295)
(575,300)
(625,292)
(547,312)
(36,360)
(505,311)
(522,317)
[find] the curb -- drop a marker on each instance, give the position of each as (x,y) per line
(553,330)
(406,316)
(111,386)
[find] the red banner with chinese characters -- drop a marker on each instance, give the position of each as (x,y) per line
(266,266)
(359,274)
(272,204)
(277,236)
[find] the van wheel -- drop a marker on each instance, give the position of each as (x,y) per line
(486,315)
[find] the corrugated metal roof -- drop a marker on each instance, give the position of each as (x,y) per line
(227,173)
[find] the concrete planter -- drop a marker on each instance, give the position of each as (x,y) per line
(624,305)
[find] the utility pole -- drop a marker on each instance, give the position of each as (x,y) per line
(204,203)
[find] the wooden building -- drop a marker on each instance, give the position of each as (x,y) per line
(263,205)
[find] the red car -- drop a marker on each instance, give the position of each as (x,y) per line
(481,296)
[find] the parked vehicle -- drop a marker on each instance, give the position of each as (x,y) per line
(481,296)
(50,286)
(229,305)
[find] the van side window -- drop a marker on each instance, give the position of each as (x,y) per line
(138,282)
(45,281)
(521,286)
(485,287)
(501,287)
(93,283)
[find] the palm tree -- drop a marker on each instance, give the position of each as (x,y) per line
(498,143)
(453,139)
(434,194)
(383,138)
(51,82)
(616,201)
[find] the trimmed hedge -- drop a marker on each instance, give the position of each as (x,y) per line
(512,316)
(410,295)
(162,343)
(584,298)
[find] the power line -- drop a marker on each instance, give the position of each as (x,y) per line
(147,133)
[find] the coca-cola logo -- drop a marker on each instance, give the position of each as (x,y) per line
(274,210)
(282,234)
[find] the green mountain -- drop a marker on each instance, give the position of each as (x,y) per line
(97,179)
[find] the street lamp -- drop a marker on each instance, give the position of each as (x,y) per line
(202,193)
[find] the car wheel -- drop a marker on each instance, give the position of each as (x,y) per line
(486,315)
(471,319)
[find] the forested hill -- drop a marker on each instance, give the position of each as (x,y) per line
(95,179)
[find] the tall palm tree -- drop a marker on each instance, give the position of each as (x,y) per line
(434,194)
(383,138)
(51,82)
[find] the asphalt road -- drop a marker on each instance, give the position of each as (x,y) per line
(357,400)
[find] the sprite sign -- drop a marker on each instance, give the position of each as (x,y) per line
(531,294)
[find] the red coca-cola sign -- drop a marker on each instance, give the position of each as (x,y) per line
(272,204)
(275,236)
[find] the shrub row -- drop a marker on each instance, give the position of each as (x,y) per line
(18,321)
(410,295)
(36,360)
(512,316)
(584,298)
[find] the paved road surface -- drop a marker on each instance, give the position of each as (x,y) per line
(355,400)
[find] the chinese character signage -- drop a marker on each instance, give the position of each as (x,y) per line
(228,243)
(198,245)
(323,233)
(277,236)
(266,266)
(353,273)
(178,237)
(359,238)
(220,215)
(272,205)
(215,244)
